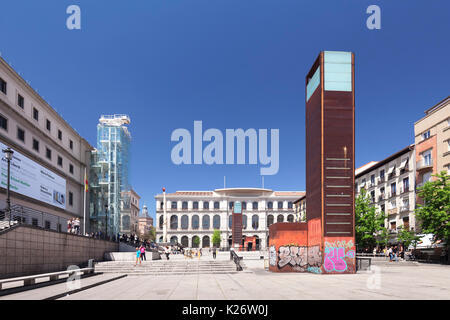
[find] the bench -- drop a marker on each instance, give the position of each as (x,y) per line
(30,280)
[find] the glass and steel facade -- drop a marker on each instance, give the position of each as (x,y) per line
(108,179)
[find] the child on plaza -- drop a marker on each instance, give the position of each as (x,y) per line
(138,256)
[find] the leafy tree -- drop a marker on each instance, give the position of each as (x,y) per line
(383,238)
(368,222)
(216,238)
(434,213)
(196,241)
(150,235)
(407,237)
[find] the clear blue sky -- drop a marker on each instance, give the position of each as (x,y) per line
(231,64)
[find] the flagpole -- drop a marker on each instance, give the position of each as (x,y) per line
(84,208)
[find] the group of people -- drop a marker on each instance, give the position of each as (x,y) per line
(73,226)
(394,252)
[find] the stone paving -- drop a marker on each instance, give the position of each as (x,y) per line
(397,281)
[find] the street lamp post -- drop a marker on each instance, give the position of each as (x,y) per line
(106,218)
(8,155)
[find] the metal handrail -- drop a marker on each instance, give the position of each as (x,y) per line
(236,259)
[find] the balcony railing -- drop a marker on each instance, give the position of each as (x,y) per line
(392,194)
(392,175)
(404,208)
(405,189)
(392,211)
(381,197)
(424,164)
(381,180)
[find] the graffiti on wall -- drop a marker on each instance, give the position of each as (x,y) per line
(335,255)
(298,257)
(272,256)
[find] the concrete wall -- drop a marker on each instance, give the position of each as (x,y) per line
(26,250)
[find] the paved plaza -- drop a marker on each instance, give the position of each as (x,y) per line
(397,281)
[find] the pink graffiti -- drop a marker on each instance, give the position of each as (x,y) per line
(335,259)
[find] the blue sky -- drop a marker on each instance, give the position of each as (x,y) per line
(231,64)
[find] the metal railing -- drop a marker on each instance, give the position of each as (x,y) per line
(29,216)
(421,164)
(236,259)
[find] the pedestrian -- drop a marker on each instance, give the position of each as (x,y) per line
(69,226)
(391,254)
(138,256)
(167,252)
(143,253)
(214,252)
(394,252)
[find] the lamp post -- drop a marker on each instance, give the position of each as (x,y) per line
(8,155)
(106,218)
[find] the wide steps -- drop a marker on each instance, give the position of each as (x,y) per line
(159,267)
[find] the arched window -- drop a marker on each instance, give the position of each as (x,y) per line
(195,205)
(173,239)
(174,222)
(195,222)
(290,205)
(205,242)
(185,241)
(161,221)
(230,221)
(205,204)
(216,222)
(205,222)
(280,204)
(184,205)
(290,218)
(255,222)
(280,218)
(244,205)
(216,205)
(255,205)
(174,204)
(270,205)
(195,241)
(269,220)
(184,222)
(244,221)
(161,239)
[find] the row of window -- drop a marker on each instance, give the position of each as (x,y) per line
(35,111)
(383,195)
(36,144)
(195,221)
(184,205)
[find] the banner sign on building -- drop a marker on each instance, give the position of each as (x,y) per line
(33,180)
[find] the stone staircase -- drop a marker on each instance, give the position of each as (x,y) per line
(167,267)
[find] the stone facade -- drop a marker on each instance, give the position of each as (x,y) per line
(27,250)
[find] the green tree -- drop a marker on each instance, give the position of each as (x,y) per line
(434,213)
(216,238)
(383,238)
(368,222)
(407,237)
(150,235)
(196,241)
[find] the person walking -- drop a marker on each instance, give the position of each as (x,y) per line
(167,252)
(138,256)
(143,253)
(391,254)
(214,251)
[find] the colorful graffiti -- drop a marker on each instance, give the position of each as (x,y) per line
(272,256)
(295,256)
(300,258)
(314,256)
(317,270)
(335,255)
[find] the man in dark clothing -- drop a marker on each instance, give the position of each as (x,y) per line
(214,252)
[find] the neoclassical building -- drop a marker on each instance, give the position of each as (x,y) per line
(196,214)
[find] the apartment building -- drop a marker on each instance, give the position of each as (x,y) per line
(432,140)
(390,186)
(129,212)
(50,157)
